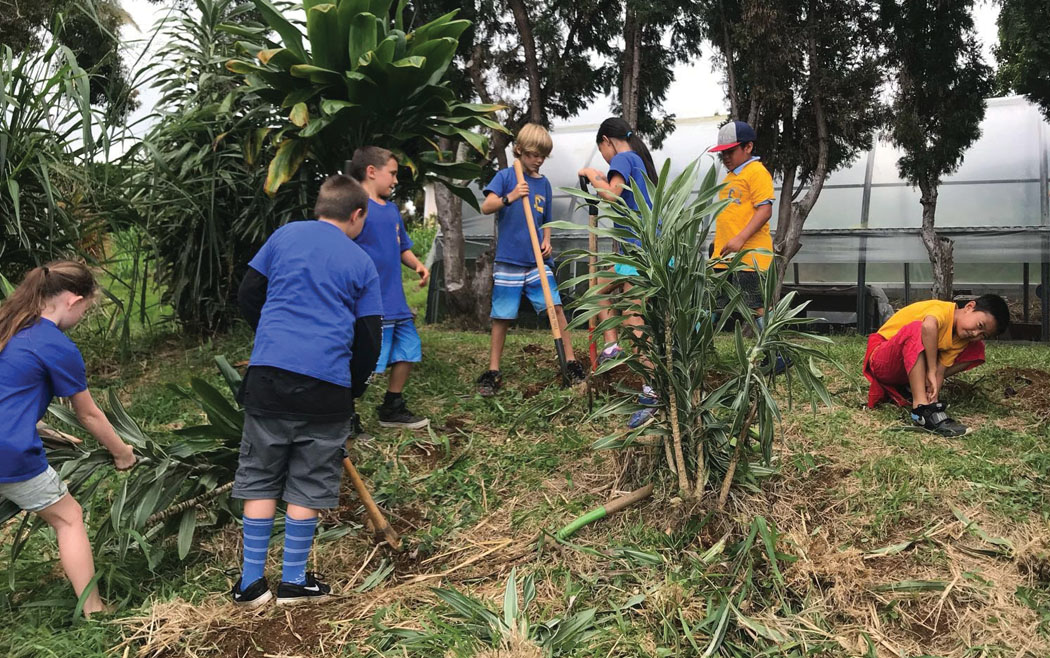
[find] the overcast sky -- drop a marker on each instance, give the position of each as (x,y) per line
(696,92)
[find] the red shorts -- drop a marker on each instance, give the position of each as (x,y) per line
(888,362)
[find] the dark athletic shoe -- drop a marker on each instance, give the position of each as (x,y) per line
(311,591)
(489,382)
(357,430)
(253,596)
(779,366)
(576,373)
(933,417)
(397,415)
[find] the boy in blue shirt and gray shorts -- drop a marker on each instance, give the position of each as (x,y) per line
(313,297)
(514,270)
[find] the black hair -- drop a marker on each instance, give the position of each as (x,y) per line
(340,197)
(995,306)
(617,128)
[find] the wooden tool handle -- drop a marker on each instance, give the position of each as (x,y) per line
(540,267)
(378,520)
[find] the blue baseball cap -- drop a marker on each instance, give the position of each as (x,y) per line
(732,134)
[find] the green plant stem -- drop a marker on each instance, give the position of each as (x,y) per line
(676,431)
(186,504)
(741,441)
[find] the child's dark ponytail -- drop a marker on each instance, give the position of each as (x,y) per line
(23,308)
(617,128)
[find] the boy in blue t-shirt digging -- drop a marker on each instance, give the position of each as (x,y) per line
(313,297)
(386,241)
(514,270)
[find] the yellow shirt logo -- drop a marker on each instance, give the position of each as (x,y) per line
(538,203)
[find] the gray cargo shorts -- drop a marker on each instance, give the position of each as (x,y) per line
(298,461)
(750,287)
(37,493)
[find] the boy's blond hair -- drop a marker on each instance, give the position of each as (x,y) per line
(533,138)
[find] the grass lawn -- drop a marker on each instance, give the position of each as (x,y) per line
(877,540)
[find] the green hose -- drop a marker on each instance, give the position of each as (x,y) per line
(590,517)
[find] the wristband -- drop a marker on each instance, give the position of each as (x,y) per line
(506,200)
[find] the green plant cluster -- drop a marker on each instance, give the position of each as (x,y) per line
(686,298)
(364,79)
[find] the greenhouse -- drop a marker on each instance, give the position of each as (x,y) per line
(863,232)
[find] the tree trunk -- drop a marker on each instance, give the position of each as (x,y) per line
(789,238)
(498,140)
(632,56)
(727,52)
(467,291)
(532,66)
(940,249)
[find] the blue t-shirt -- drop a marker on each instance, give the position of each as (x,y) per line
(629,165)
(384,238)
(38,364)
(318,283)
(514,245)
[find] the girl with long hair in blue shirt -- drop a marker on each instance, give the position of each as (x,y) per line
(37,363)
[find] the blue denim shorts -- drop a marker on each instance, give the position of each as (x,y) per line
(37,493)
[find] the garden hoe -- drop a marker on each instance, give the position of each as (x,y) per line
(559,345)
(378,520)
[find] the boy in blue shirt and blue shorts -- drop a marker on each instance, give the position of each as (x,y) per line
(313,297)
(514,269)
(386,241)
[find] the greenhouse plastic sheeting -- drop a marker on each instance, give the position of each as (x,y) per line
(995,207)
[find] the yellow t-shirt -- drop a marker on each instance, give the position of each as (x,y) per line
(948,345)
(746,188)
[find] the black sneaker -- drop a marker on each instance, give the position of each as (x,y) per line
(397,415)
(253,596)
(577,375)
(489,382)
(933,417)
(357,430)
(311,591)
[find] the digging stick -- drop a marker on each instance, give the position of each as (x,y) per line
(378,520)
(611,507)
(552,315)
(592,246)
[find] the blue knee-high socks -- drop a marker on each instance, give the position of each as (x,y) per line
(256,540)
(298,538)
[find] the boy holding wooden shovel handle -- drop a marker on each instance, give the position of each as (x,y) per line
(520,197)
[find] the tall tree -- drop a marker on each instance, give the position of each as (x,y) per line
(805,74)
(938,104)
(90,28)
(541,62)
(656,36)
(1024,51)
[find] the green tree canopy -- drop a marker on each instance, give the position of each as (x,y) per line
(938,103)
(1024,50)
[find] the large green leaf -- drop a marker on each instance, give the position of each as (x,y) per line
(362,37)
(293,38)
(322,28)
(289,157)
